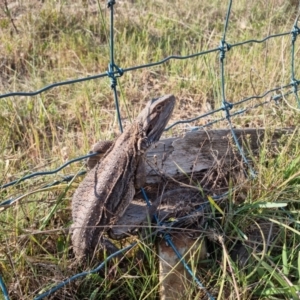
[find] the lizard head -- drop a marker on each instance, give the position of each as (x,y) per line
(155,116)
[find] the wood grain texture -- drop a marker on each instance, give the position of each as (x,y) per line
(200,150)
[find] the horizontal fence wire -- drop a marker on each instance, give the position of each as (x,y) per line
(115,71)
(120,72)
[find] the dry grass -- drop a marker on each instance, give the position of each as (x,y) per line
(48,41)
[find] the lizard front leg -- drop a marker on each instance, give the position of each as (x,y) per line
(100,147)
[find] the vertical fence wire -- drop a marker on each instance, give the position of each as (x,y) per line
(3,289)
(112,67)
(227,106)
(294,82)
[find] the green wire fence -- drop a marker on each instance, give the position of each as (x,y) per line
(230,110)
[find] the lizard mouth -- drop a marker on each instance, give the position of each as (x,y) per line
(149,130)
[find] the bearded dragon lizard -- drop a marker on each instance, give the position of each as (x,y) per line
(109,187)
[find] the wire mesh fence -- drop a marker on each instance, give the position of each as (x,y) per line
(229,109)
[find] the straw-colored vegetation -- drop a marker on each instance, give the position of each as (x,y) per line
(42,42)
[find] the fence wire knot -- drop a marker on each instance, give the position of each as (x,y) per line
(224,47)
(295,32)
(295,84)
(112,76)
(110,3)
(227,106)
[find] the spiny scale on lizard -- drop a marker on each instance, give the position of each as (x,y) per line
(108,188)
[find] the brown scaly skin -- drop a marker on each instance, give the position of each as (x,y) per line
(108,188)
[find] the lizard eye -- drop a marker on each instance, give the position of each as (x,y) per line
(159,107)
